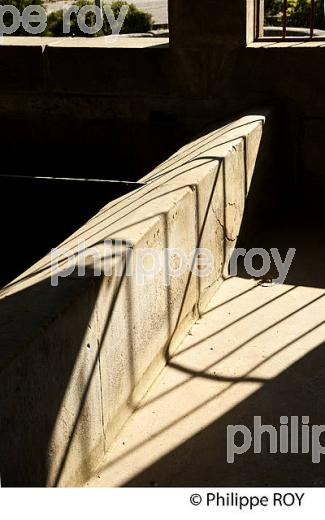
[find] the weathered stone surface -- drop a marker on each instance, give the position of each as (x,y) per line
(92,347)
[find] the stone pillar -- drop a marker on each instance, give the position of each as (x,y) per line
(209,23)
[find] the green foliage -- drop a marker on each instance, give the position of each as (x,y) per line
(272,7)
(136,21)
(299,12)
(20,5)
(55,22)
(300,17)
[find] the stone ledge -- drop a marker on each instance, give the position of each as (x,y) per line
(269,43)
(65,65)
(131,41)
(80,358)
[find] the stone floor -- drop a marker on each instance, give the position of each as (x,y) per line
(258,350)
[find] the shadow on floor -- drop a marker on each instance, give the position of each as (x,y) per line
(297,391)
(201,461)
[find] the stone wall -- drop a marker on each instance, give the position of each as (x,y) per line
(77,357)
(142,98)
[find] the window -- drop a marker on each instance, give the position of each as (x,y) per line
(290,19)
(82,17)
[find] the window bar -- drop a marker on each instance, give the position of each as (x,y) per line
(258,19)
(312,18)
(285,17)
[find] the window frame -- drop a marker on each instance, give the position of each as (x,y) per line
(259,25)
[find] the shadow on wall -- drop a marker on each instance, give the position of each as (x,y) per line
(34,383)
(57,384)
(121,143)
(296,391)
(50,210)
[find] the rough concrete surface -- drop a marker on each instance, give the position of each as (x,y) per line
(134,103)
(116,346)
(256,350)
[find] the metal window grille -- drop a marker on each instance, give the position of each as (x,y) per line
(313,11)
